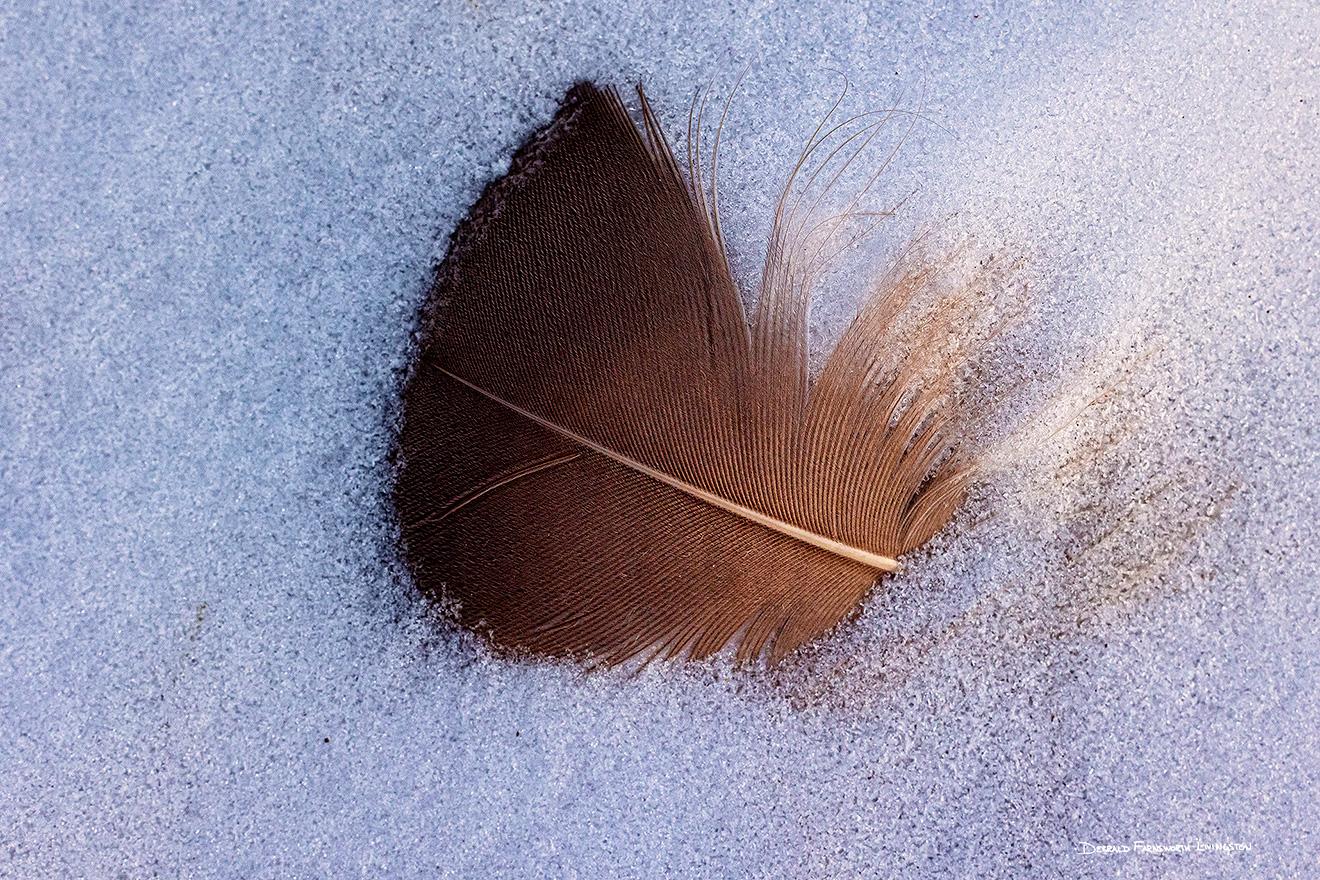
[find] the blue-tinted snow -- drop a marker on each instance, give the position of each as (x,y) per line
(219,223)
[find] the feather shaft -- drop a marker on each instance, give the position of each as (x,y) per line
(873,560)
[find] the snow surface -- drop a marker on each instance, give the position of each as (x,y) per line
(219,222)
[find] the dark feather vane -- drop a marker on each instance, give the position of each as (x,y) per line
(602,457)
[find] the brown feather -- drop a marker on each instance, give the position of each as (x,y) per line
(600,457)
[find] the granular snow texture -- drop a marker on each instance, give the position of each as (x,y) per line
(219,226)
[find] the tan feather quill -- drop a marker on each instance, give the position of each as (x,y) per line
(601,457)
